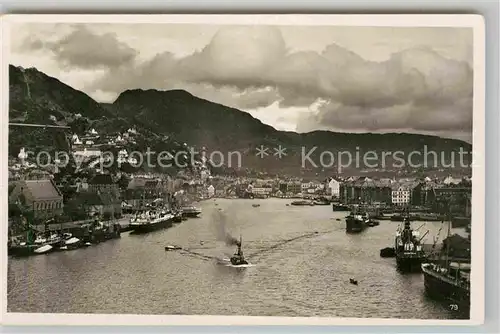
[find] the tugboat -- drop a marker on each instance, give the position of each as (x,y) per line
(409,251)
(238,259)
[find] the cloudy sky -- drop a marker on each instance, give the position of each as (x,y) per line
(350,79)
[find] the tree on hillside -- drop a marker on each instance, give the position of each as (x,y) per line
(123,182)
(76,209)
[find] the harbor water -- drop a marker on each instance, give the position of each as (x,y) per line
(294,271)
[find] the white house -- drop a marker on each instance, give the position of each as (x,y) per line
(76,140)
(93,132)
(451,180)
(204,174)
(86,154)
(22,155)
(262,191)
(53,118)
(305,185)
(122,156)
(132,161)
(333,188)
(211,191)
(401,195)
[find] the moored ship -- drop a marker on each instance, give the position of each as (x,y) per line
(191,211)
(177,216)
(340,207)
(302,203)
(321,201)
(35,244)
(449,283)
(430,217)
(447,277)
(408,248)
(151,220)
(356,222)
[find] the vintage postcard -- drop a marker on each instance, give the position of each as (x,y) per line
(243,169)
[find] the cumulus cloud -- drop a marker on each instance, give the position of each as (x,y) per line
(83,49)
(251,67)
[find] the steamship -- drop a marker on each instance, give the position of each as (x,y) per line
(191,211)
(238,259)
(408,248)
(357,221)
(150,220)
(340,207)
(448,281)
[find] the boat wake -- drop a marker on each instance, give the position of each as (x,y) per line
(197,255)
(227,262)
(240,266)
(223,234)
(286,241)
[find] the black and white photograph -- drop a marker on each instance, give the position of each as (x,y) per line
(310,167)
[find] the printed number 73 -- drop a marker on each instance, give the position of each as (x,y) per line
(454,307)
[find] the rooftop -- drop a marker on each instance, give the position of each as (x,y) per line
(102,179)
(42,189)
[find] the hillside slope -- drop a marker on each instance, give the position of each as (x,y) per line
(167,119)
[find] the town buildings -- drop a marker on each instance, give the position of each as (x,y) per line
(291,187)
(401,194)
(103,183)
(210,191)
(42,197)
(333,188)
(366,190)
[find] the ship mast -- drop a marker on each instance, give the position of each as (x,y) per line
(446,216)
(448,234)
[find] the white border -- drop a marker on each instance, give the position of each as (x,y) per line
(476,22)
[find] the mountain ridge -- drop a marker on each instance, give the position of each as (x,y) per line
(184,117)
(186,93)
